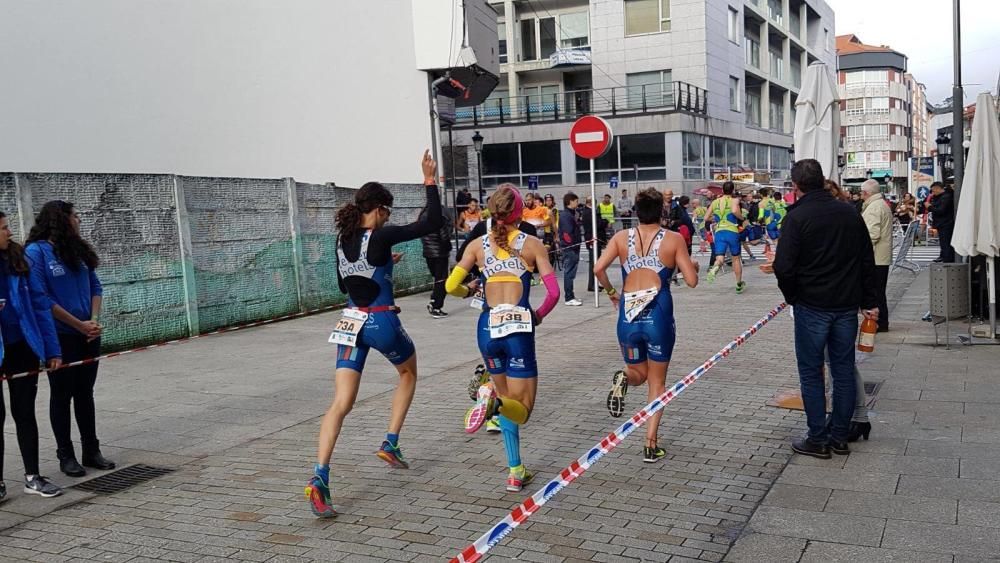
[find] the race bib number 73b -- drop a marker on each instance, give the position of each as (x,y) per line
(509,319)
(348,326)
(637,301)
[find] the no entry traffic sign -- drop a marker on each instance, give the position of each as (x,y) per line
(590,137)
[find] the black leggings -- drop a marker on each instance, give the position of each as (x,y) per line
(76,386)
(18,358)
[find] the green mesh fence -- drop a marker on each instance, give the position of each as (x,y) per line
(243,261)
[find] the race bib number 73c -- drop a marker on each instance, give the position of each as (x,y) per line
(637,301)
(509,319)
(348,326)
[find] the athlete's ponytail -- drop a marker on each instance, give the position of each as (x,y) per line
(505,207)
(371,196)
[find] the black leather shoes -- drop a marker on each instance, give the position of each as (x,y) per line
(71,467)
(839,448)
(806,447)
(97,461)
(859,430)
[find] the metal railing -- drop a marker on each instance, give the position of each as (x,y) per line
(623,100)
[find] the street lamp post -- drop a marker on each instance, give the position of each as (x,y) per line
(477,142)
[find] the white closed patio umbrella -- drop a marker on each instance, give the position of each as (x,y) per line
(977,221)
(817,119)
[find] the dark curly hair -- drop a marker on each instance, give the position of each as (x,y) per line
(371,196)
(14,256)
(54,223)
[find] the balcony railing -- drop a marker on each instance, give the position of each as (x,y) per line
(624,100)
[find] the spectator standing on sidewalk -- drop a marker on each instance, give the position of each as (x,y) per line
(943,219)
(437,251)
(64,265)
(570,237)
(607,211)
(624,209)
(825,267)
(28,334)
(878,219)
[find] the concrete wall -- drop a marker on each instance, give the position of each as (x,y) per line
(234,88)
(182,255)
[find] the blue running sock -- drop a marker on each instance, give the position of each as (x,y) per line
(393,439)
(511,441)
(323,472)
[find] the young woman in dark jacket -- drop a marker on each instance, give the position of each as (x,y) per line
(64,264)
(27,334)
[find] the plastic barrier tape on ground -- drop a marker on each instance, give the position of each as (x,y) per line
(308,313)
(475,551)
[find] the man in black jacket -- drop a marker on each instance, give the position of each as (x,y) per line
(826,268)
(943,219)
(437,250)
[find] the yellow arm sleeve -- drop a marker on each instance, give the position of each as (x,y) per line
(453,285)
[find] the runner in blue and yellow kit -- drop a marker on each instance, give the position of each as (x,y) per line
(371,319)
(779,209)
(506,330)
(726,216)
(648,255)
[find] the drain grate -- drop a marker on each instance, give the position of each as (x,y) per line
(124,478)
(871,388)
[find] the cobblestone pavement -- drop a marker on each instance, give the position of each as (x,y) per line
(237,416)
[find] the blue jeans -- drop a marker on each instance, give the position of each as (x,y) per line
(832,334)
(570,261)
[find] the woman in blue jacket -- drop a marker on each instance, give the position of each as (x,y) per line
(27,334)
(63,264)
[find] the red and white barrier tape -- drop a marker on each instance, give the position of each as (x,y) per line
(523,511)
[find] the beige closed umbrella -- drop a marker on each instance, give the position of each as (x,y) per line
(817,119)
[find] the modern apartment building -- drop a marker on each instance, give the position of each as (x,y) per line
(921,118)
(692,89)
(876,112)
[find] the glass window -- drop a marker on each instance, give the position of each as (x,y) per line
(648,151)
(794,21)
(502,32)
(774,11)
(692,149)
(654,88)
(734,93)
(733,156)
(762,157)
(646,16)
(779,159)
(547,37)
(752,51)
(500,159)
(777,114)
(734,25)
(528,52)
(717,148)
(777,65)
(753,107)
(541,157)
(796,71)
(574,30)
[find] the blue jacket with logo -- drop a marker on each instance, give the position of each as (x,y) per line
(34,314)
(71,290)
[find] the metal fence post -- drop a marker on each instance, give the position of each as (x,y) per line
(187,257)
(296,239)
(25,212)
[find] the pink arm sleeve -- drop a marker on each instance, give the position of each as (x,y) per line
(551,295)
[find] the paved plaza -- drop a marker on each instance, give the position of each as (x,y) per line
(236,416)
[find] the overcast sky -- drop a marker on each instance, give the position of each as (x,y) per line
(921,30)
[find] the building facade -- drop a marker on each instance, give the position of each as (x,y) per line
(876,112)
(693,89)
(921,118)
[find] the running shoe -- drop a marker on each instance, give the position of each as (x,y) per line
(392,455)
(741,286)
(486,402)
(616,397)
(711,274)
(38,485)
(437,313)
(515,483)
(318,494)
(653,455)
(574,303)
(493,425)
(480,378)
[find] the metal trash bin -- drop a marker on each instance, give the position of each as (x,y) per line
(949,296)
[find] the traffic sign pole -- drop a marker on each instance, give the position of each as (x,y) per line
(593,223)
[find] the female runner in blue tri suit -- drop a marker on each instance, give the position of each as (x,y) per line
(364,272)
(648,255)
(506,331)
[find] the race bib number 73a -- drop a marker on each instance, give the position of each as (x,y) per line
(348,326)
(509,319)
